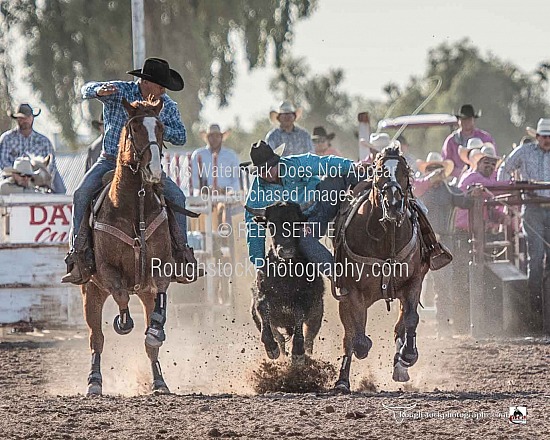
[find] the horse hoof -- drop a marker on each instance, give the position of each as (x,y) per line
(160,388)
(400,373)
(123,330)
(273,353)
(298,359)
(362,346)
(94,389)
(342,387)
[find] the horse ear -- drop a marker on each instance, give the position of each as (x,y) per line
(128,106)
(47,160)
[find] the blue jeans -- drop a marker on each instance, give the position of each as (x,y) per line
(537,219)
(91,184)
(322,214)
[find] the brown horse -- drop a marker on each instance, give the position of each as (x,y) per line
(129,231)
(379,234)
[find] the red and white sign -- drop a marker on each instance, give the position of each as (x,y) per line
(40,223)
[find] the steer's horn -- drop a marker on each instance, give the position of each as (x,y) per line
(258,212)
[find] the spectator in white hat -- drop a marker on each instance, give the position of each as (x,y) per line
(296,139)
(532,162)
(18,178)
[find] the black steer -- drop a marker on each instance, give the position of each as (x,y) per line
(281,299)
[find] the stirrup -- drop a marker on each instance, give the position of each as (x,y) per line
(440,257)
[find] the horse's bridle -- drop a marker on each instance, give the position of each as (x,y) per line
(137,154)
(393,184)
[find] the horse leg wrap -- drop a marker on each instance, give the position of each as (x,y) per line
(157,372)
(158,319)
(343,384)
(408,353)
(123,323)
(95,372)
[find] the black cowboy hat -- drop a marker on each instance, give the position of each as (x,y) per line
(23,111)
(158,71)
(262,156)
(467,111)
(320,132)
(96,123)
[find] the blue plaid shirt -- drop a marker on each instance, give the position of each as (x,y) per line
(115,116)
(13,145)
(297,141)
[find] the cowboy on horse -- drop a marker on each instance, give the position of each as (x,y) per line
(154,78)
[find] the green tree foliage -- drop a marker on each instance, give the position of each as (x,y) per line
(510,98)
(70,42)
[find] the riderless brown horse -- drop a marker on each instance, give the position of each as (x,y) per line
(378,231)
(131,229)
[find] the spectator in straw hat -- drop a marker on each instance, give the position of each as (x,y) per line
(463,152)
(322,141)
(94,150)
(431,185)
(467,129)
(221,174)
(24,140)
(532,162)
(483,163)
(18,178)
(296,139)
(376,143)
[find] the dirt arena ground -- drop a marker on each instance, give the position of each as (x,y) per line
(460,388)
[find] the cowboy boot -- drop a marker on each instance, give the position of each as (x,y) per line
(80,260)
(439,255)
(182,254)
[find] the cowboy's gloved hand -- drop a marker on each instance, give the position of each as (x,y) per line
(106,90)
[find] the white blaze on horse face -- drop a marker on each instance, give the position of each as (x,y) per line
(150,124)
(391,167)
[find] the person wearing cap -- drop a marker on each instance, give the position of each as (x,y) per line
(322,142)
(467,130)
(532,162)
(153,79)
(300,179)
(225,175)
(296,139)
(432,187)
(94,150)
(24,140)
(18,178)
